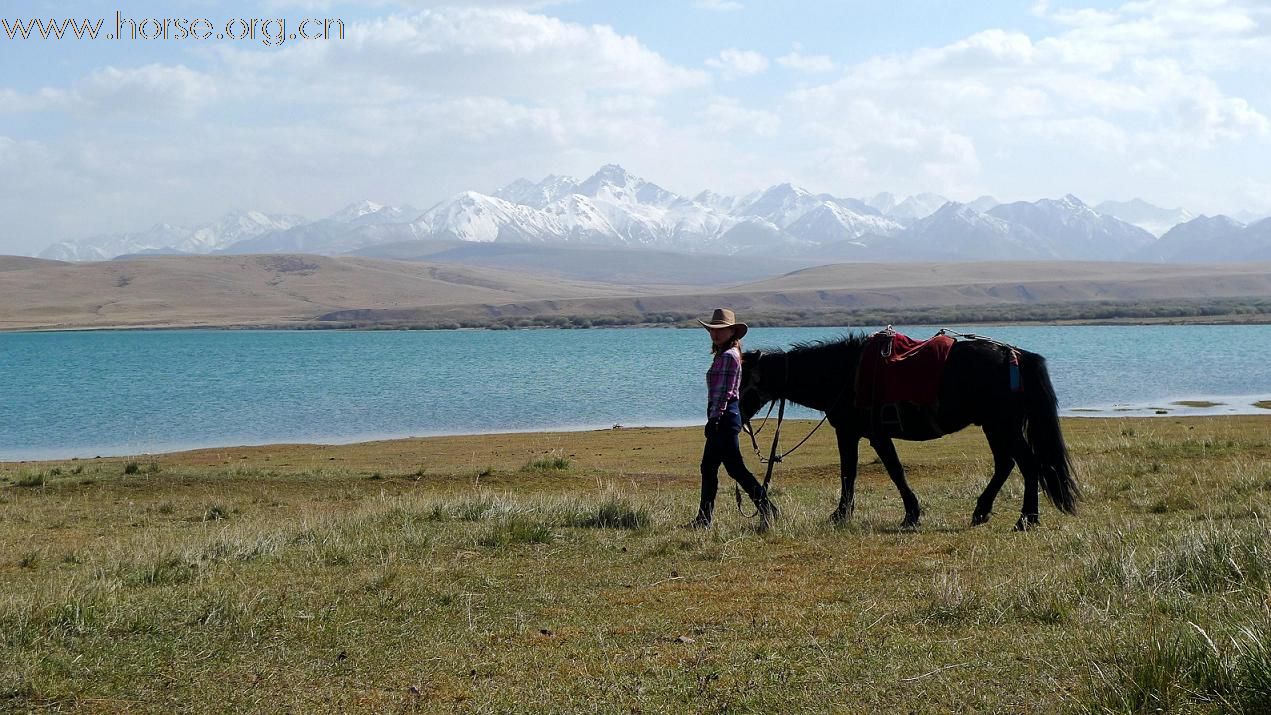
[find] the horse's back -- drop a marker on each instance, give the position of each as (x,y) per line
(977,386)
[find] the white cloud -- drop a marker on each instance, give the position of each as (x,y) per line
(861,144)
(435,99)
(413,106)
(726,114)
(1133,84)
(1082,134)
(718,5)
(150,91)
(796,60)
(461,51)
(145,91)
(1153,168)
(734,63)
(1085,17)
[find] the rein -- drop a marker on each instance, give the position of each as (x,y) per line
(774,458)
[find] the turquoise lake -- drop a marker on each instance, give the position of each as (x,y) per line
(83,394)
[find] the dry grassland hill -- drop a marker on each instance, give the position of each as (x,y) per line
(255,290)
(891,286)
(908,285)
(304,291)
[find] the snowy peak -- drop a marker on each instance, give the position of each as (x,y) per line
(780,205)
(615,207)
(1074,228)
(473,216)
(916,207)
(525,192)
(167,238)
(1153,219)
(884,202)
(612,183)
(716,202)
(959,232)
(984,203)
(367,212)
(1202,239)
(952,211)
(357,210)
(611,174)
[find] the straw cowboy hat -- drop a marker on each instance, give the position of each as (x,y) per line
(724,318)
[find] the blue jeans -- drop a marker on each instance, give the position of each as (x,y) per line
(723,447)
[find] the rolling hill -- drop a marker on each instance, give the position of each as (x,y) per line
(285,290)
(305,291)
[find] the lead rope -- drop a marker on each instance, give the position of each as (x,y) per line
(773,458)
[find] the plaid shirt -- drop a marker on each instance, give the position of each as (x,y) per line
(723,381)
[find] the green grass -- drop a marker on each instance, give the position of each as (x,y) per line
(614,512)
(549,463)
(35,479)
(289,581)
(1182,668)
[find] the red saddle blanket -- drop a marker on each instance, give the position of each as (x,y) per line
(897,368)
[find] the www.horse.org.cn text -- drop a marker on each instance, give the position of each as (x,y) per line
(269,31)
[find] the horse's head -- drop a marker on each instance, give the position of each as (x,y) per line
(753,392)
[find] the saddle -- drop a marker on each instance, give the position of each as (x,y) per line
(898,383)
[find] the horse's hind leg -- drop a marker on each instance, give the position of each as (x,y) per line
(1000,441)
(887,452)
(1028,517)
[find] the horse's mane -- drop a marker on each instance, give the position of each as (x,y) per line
(820,359)
(853,340)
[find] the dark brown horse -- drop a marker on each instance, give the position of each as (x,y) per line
(1021,422)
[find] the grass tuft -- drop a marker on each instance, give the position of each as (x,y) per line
(1183,669)
(32,479)
(613,513)
(167,570)
(549,463)
(516,530)
(951,600)
(477,508)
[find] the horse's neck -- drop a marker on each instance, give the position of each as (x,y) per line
(819,379)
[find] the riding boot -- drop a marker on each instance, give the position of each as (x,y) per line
(705,510)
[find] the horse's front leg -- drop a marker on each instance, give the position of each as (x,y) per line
(887,452)
(849,442)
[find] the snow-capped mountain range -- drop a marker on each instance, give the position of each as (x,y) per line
(613,207)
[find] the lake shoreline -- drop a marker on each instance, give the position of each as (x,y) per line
(795,428)
(1233,319)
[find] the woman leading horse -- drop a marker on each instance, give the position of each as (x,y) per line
(723,421)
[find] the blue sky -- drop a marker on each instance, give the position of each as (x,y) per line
(1160,99)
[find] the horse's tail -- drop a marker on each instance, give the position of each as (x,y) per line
(1044,437)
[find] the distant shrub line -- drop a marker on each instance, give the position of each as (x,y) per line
(815,317)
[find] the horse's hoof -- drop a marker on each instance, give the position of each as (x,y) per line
(1027,522)
(978,519)
(910,523)
(840,516)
